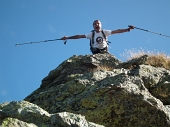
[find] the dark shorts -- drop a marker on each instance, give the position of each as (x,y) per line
(97,50)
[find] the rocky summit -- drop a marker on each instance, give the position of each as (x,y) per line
(95,91)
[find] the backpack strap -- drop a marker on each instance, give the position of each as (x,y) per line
(92,40)
(103,34)
(105,37)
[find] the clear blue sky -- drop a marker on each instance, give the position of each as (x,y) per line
(23,67)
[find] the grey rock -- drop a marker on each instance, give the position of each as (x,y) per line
(100,89)
(26,114)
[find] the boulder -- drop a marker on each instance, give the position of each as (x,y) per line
(26,114)
(107,91)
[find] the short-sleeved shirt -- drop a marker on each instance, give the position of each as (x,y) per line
(99,41)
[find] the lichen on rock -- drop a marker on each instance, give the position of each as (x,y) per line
(100,89)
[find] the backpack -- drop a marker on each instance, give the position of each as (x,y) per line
(92,40)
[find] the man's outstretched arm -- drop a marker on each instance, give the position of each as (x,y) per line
(73,37)
(122,30)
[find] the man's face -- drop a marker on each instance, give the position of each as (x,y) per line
(97,26)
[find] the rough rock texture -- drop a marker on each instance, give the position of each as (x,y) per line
(26,114)
(103,90)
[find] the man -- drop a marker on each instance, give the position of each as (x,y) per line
(98,37)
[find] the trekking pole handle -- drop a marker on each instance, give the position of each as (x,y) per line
(130,26)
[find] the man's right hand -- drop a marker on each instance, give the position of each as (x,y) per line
(64,38)
(131,27)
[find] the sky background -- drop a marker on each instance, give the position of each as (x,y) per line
(23,67)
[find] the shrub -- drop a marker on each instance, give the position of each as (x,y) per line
(155,58)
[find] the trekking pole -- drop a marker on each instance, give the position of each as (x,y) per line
(39,42)
(148,31)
